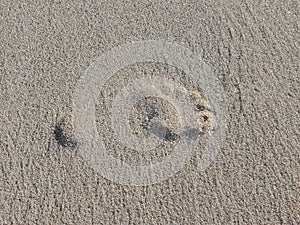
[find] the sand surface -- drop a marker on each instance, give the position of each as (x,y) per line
(252,48)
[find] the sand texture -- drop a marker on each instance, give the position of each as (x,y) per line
(252,48)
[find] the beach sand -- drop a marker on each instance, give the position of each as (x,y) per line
(252,48)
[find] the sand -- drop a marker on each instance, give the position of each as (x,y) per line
(252,48)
